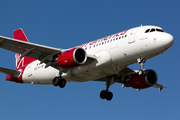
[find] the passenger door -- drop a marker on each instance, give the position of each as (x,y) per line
(132,35)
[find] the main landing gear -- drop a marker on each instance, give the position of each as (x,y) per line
(141,61)
(59,81)
(106,94)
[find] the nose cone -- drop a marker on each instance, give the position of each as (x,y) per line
(168,40)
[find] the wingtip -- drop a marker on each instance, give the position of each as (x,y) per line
(160,89)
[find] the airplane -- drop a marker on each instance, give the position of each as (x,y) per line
(105,60)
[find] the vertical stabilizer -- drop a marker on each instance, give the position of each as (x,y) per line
(21,62)
(19,34)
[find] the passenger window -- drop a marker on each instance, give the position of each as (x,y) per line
(94,45)
(119,37)
(125,35)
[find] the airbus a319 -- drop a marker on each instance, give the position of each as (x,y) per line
(105,59)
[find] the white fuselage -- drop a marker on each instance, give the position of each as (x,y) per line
(112,53)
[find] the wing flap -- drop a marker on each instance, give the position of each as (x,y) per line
(11,48)
(19,50)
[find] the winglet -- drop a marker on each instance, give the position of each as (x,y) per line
(159,86)
(160,89)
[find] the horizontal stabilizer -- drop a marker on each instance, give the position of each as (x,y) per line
(9,71)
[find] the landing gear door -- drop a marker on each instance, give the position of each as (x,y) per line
(132,35)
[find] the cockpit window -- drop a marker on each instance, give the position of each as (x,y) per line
(160,30)
(152,30)
(147,30)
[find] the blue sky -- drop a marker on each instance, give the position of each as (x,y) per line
(67,23)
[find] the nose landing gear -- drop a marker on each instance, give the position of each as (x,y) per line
(141,61)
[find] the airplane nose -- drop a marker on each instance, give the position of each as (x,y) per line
(168,40)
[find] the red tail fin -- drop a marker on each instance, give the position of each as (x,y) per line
(21,62)
(19,34)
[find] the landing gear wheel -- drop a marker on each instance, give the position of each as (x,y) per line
(59,81)
(105,94)
(62,83)
(109,96)
(56,81)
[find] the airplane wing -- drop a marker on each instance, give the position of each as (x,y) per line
(43,53)
(36,51)
(9,71)
(124,75)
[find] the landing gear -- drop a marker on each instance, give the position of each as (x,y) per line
(106,94)
(59,81)
(62,83)
(141,62)
(56,81)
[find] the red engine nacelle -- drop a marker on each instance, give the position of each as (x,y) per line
(72,58)
(140,82)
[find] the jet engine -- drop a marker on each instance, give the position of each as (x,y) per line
(72,58)
(148,79)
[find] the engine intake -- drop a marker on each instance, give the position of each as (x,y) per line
(140,82)
(72,58)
